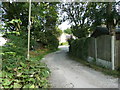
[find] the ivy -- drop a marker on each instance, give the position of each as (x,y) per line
(17,72)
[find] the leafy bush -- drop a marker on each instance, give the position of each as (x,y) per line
(68,31)
(48,40)
(20,73)
(16,44)
(57,32)
(52,41)
(17,72)
(78,48)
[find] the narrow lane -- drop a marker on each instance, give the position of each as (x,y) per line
(67,73)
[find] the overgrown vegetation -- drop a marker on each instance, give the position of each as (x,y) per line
(17,71)
(79,48)
(44,22)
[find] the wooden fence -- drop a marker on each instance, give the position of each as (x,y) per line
(99,50)
(117,53)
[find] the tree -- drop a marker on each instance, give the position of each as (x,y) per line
(68,31)
(44,19)
(77,16)
(86,16)
(104,14)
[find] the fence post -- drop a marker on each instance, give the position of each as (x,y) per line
(95,48)
(113,51)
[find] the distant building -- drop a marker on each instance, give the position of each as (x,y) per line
(64,37)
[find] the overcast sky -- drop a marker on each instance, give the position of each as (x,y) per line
(64,25)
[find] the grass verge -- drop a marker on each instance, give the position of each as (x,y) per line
(40,53)
(64,43)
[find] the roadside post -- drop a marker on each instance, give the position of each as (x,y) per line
(29,26)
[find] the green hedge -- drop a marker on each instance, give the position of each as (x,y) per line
(79,48)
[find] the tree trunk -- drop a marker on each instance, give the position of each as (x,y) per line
(110,20)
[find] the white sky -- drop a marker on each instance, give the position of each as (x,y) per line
(64,25)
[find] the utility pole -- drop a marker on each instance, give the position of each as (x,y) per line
(0,47)
(29,26)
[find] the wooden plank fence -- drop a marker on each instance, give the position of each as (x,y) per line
(103,51)
(117,53)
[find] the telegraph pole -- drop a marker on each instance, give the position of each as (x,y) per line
(29,26)
(0,47)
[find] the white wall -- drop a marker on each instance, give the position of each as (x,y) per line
(63,38)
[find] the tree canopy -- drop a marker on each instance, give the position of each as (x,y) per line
(44,20)
(85,16)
